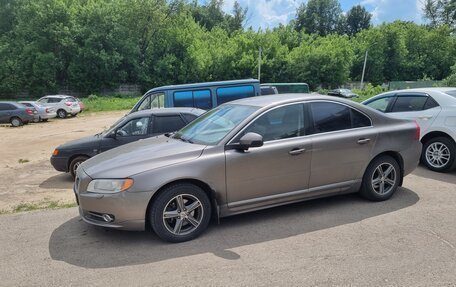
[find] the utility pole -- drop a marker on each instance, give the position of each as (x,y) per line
(259,64)
(364,70)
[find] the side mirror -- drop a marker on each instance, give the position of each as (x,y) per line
(250,140)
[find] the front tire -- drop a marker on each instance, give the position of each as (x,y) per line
(16,122)
(439,154)
(381,179)
(75,164)
(181,212)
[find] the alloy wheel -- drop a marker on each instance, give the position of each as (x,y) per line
(384,178)
(437,155)
(183,214)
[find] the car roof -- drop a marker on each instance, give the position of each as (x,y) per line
(58,96)
(12,102)
(278,99)
(167,111)
(202,85)
(433,89)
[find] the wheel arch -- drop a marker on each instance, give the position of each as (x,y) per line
(70,159)
(435,134)
(201,184)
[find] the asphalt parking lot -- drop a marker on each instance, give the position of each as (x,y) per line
(341,241)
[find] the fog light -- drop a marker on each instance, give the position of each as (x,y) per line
(108,217)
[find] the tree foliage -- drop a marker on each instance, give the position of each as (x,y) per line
(93,45)
(440,12)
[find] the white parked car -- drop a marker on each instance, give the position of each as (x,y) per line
(64,105)
(44,113)
(434,109)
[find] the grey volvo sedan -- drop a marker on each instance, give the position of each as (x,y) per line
(247,155)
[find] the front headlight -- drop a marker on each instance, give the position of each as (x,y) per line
(109,185)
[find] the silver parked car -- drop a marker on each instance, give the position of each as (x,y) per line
(247,155)
(43,113)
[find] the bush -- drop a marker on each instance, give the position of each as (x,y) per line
(368,92)
(109,103)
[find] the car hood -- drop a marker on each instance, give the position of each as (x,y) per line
(140,156)
(86,142)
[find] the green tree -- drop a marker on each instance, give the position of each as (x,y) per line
(357,19)
(440,12)
(318,17)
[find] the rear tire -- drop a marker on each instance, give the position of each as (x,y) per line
(62,114)
(44,120)
(16,122)
(439,154)
(181,212)
(381,179)
(75,163)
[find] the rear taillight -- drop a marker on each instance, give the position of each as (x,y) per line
(29,111)
(68,103)
(417,131)
(47,110)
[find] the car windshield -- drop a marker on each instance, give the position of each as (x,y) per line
(213,126)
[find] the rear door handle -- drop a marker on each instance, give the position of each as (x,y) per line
(297,151)
(363,141)
(425,117)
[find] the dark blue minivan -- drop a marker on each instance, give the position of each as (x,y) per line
(200,95)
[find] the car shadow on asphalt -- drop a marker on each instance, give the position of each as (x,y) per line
(60,181)
(80,244)
(448,177)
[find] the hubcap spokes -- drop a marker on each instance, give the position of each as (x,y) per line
(384,178)
(437,155)
(183,214)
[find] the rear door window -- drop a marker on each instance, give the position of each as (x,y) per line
(228,94)
(409,103)
(328,117)
(189,117)
(166,124)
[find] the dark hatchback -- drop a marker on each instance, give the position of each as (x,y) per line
(132,127)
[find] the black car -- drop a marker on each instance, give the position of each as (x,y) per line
(132,127)
(342,93)
(16,114)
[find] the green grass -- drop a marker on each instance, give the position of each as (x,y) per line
(45,204)
(102,104)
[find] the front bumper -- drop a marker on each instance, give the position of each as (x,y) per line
(127,209)
(60,163)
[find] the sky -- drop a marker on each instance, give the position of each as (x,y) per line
(270,13)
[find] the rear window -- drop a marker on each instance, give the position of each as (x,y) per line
(234,93)
(27,104)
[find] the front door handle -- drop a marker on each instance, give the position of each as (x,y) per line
(297,151)
(363,141)
(425,118)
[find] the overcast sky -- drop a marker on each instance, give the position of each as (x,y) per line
(270,13)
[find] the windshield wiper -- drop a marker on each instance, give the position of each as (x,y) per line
(185,140)
(168,135)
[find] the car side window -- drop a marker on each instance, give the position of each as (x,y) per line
(43,100)
(166,124)
(359,120)
(409,103)
(189,117)
(145,104)
(3,107)
(227,94)
(328,117)
(430,103)
(135,127)
(279,123)
(380,104)
(158,101)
